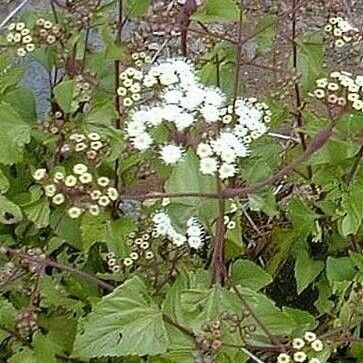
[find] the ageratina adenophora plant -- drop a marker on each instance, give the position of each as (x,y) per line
(181,181)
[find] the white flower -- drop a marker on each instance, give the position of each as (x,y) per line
(204,150)
(80,169)
(85,178)
(80,146)
(231,225)
(194,231)
(50,190)
(171,154)
(227,171)
(39,174)
(195,242)
(94,209)
(165,202)
(317,345)
(58,176)
(283,358)
(96,194)
(94,136)
(58,199)
(298,343)
(142,142)
(173,96)
(135,128)
(161,218)
(228,155)
(309,336)
(103,181)
(104,201)
(300,357)
(178,239)
(96,145)
(168,79)
(74,212)
(70,181)
(30,47)
(314,360)
(210,113)
(21,52)
(112,193)
(208,166)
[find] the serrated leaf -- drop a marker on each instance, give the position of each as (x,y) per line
(310,59)
(43,351)
(340,269)
(194,182)
(137,8)
(115,51)
(306,270)
(7,317)
(126,322)
(248,274)
(63,94)
(10,213)
(38,213)
(4,183)
(93,229)
(353,208)
(14,134)
(304,321)
(218,11)
(264,202)
(266,33)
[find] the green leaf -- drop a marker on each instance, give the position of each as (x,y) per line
(310,59)
(264,202)
(137,8)
(218,11)
(275,320)
(198,306)
(38,213)
(93,229)
(63,93)
(14,134)
(195,182)
(126,322)
(340,269)
(353,208)
(10,213)
(7,317)
(43,351)
(115,51)
(248,274)
(302,218)
(266,33)
(306,270)
(103,113)
(4,183)
(304,321)
(234,243)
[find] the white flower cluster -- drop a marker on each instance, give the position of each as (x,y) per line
(47,31)
(91,145)
(195,235)
(340,89)
(304,350)
(181,101)
(20,36)
(81,190)
(342,31)
(221,154)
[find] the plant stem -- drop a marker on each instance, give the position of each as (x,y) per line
(49,263)
(298,97)
(250,310)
